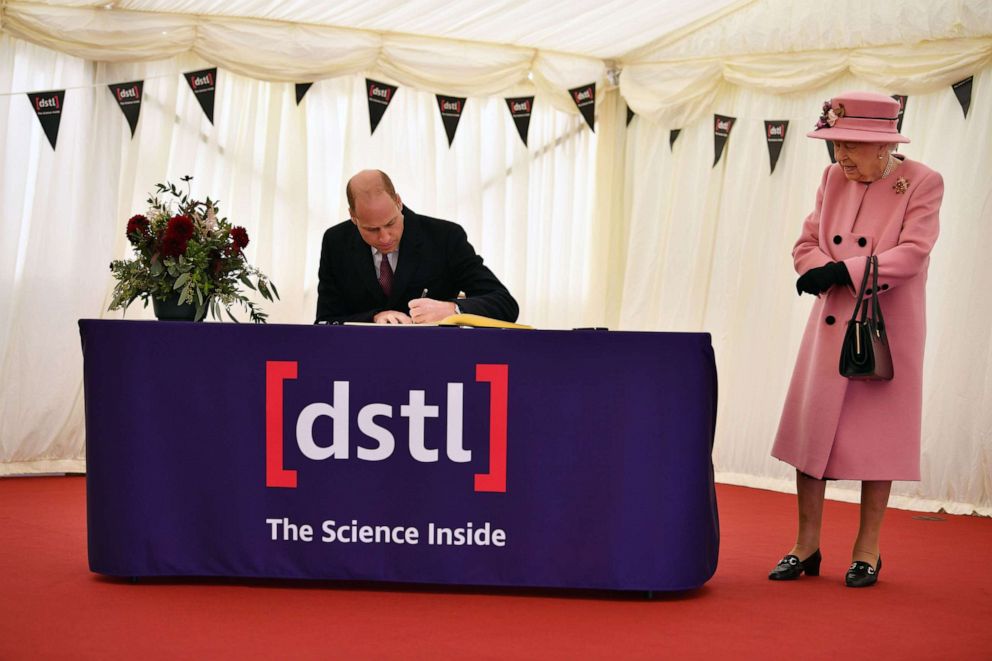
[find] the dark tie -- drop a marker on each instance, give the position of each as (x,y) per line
(386,276)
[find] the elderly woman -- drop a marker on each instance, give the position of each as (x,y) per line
(870,202)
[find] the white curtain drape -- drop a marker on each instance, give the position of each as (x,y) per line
(786,47)
(297,52)
(718,259)
(279,170)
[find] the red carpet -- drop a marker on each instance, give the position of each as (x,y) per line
(933,600)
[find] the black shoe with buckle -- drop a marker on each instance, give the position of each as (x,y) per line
(862,575)
(791,567)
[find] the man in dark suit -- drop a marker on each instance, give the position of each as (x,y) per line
(390,265)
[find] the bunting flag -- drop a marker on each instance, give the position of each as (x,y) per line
(722,125)
(901,98)
(962,90)
(775,130)
(451,108)
(301,91)
(48,107)
(380,96)
(203,83)
(585,100)
(128,97)
(520,109)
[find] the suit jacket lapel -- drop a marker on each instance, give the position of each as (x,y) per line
(361,255)
(410,246)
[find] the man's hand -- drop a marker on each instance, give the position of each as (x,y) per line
(427,310)
(391,317)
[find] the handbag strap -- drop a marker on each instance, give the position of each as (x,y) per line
(861,290)
(876,308)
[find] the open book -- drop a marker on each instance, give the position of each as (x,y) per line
(460,320)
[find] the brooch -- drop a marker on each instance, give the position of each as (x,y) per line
(901,185)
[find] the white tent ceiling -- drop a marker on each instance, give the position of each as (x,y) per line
(605,29)
(671,57)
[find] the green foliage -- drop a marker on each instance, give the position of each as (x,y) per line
(202,258)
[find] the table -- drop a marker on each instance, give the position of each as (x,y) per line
(575,459)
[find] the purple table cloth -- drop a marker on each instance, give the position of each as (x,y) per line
(576,459)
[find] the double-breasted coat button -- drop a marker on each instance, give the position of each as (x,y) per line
(862,242)
(837,238)
(868,291)
(830,320)
(885,286)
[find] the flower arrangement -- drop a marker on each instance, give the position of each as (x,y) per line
(830,115)
(191,252)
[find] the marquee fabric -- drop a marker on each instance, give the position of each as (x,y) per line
(773,44)
(787,47)
(622,227)
(297,51)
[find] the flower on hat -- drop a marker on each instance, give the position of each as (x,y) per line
(830,115)
(901,185)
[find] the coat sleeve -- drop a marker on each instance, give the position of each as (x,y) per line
(485,294)
(806,254)
(920,228)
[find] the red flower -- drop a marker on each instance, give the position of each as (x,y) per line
(181,226)
(240,237)
(173,245)
(137,228)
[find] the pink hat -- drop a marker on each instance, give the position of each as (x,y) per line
(859,117)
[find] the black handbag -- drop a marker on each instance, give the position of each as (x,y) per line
(864,354)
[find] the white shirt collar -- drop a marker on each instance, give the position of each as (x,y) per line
(377,258)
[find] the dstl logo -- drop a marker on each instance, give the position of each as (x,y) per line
(416,410)
(50,102)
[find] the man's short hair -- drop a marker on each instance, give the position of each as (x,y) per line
(387,185)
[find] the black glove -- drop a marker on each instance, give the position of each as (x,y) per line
(818,280)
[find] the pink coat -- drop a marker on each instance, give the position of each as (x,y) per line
(863,430)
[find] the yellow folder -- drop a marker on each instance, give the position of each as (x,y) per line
(478,321)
